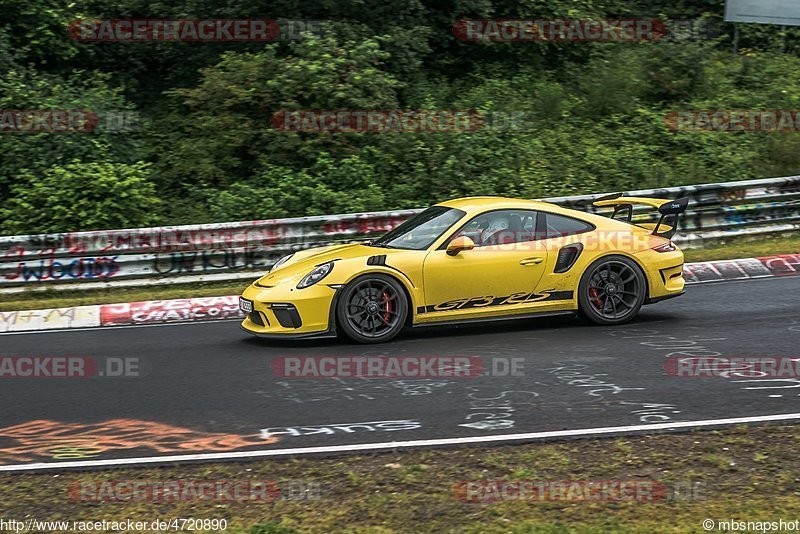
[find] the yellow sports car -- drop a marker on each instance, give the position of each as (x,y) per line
(475,259)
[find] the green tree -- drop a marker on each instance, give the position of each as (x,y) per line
(224,126)
(82,196)
(26,88)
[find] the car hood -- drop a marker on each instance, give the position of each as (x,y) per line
(302,262)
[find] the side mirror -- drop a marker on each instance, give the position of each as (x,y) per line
(458,244)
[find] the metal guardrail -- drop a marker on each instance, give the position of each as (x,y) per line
(723,210)
(239,250)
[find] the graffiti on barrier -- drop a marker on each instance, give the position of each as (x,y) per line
(190,262)
(716,211)
(52,269)
(256,234)
(202,249)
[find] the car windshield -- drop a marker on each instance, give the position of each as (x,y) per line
(418,233)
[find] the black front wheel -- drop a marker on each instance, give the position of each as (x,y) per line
(372,309)
(612,291)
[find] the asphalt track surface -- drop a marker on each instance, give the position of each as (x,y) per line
(210,388)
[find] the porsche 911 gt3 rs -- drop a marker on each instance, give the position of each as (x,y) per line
(475,259)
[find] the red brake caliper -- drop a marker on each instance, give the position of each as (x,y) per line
(388,305)
(594,297)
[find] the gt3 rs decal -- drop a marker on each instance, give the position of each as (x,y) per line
(485,302)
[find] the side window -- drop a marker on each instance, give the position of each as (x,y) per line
(560,226)
(501,227)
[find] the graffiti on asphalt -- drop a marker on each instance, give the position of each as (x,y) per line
(41,439)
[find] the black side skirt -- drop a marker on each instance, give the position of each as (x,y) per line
(665,297)
(492,319)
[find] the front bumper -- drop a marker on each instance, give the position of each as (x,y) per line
(286,312)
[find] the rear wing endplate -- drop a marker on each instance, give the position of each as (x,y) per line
(670,211)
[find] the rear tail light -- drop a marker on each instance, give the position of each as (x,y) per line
(669,246)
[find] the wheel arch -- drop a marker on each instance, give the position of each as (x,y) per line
(631,257)
(394,274)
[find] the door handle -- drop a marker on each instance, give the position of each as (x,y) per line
(531,261)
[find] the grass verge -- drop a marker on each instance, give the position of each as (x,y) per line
(63,299)
(742,473)
(743,248)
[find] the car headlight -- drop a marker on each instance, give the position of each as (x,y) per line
(281,261)
(319,272)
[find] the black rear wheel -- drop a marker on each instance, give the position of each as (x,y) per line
(612,291)
(372,309)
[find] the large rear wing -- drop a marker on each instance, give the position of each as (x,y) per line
(669,211)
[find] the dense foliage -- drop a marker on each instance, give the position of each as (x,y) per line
(203,148)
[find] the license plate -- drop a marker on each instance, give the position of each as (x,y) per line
(245,305)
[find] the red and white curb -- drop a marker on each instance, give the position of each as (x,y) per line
(742,269)
(214,308)
(129,313)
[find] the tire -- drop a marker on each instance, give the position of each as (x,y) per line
(372,309)
(612,291)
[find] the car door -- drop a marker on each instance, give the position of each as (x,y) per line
(500,273)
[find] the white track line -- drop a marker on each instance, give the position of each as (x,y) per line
(121,462)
